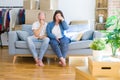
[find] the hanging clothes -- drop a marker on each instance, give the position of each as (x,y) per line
(17,17)
(13,17)
(7,21)
(21,16)
(10,17)
(3,15)
(0,21)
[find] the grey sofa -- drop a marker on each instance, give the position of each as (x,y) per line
(18,47)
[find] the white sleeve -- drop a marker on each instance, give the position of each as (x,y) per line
(34,26)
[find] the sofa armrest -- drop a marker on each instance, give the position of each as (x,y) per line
(98,35)
(12,39)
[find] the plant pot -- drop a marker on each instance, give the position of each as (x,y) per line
(97,55)
(115,52)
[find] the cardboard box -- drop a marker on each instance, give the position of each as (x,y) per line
(18,27)
(103,68)
(48,4)
(32,15)
(77,60)
(29,4)
(82,73)
(49,15)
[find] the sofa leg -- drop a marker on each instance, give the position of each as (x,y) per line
(14,59)
(55,59)
(48,60)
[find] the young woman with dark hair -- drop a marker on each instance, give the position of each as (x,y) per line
(58,41)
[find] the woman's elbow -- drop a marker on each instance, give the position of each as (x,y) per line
(65,28)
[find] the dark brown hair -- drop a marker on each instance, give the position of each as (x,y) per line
(56,12)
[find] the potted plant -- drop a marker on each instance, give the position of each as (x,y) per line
(98,45)
(113,36)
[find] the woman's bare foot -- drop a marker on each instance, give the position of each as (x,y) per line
(62,62)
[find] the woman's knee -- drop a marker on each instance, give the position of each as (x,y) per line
(54,42)
(65,41)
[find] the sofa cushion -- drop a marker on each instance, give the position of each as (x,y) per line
(72,45)
(98,34)
(80,44)
(88,35)
(74,31)
(79,36)
(76,37)
(22,35)
(78,28)
(23,45)
(28,28)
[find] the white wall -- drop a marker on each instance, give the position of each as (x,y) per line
(78,10)
(11,2)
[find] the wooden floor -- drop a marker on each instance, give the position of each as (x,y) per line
(25,69)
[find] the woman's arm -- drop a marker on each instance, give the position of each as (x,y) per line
(49,33)
(64,25)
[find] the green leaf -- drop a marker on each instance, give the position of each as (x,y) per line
(110,21)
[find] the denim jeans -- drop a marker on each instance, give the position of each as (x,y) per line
(61,47)
(44,45)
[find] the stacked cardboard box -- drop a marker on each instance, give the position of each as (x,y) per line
(32,15)
(29,4)
(31,11)
(42,4)
(48,4)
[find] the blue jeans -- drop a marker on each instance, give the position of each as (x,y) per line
(60,48)
(44,45)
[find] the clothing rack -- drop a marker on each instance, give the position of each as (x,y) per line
(11,6)
(7,7)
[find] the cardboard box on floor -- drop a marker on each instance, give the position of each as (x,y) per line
(32,15)
(48,4)
(104,68)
